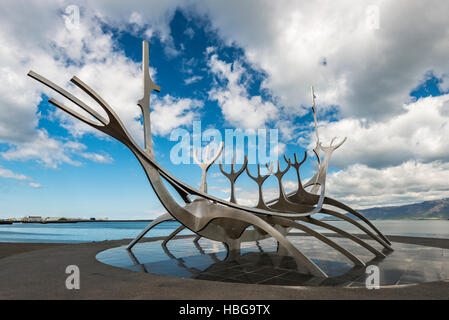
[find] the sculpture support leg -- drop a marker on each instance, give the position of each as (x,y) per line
(160,219)
(233,246)
(174,233)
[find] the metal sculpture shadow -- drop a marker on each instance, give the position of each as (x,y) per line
(222,220)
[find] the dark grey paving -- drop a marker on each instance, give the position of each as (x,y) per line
(252,277)
(42,276)
(227,273)
(269,271)
(281,282)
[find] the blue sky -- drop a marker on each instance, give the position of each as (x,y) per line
(216,67)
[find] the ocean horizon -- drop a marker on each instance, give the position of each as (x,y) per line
(116,230)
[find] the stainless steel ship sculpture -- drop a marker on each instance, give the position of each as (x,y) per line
(227,221)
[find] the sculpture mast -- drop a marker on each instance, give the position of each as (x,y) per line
(144,103)
(316,150)
(314,116)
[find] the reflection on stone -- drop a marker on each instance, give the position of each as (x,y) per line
(261,263)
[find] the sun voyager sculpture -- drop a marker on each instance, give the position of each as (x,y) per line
(227,221)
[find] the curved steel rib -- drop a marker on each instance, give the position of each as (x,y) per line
(358,225)
(290,223)
(206,163)
(232,176)
(259,180)
(282,202)
(343,233)
(341,205)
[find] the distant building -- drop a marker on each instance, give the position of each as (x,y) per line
(33,219)
(53,219)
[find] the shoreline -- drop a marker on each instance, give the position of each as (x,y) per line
(77,221)
(150,220)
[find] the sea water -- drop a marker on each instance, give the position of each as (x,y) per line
(99,231)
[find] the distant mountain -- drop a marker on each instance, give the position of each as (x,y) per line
(425,210)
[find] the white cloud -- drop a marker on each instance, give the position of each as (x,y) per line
(409,182)
(51,152)
(189,32)
(369,72)
(238,107)
(420,132)
(42,148)
(6,173)
(170,113)
(97,157)
(49,48)
(402,160)
(35,185)
(192,79)
(280,149)
(152,17)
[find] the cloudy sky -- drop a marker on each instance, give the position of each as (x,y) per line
(380,70)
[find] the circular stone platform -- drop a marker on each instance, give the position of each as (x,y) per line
(259,262)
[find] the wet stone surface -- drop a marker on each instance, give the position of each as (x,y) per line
(260,263)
